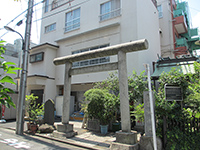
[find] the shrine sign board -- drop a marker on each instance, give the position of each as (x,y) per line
(173,92)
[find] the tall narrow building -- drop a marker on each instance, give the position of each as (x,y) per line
(176,33)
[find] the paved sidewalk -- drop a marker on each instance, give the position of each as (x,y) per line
(84,138)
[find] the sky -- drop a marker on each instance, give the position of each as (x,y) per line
(10,9)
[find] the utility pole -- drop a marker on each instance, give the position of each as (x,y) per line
(23,78)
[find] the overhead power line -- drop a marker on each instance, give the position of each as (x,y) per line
(70,7)
(22,13)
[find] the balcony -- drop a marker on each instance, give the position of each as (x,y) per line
(181,42)
(181,47)
(111,14)
(194,32)
(58,3)
(194,43)
(180,21)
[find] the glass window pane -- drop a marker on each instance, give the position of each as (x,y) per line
(46,6)
(94,61)
(84,50)
(39,57)
(84,63)
(72,20)
(75,64)
(160,13)
(32,58)
(75,52)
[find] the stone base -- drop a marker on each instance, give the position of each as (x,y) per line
(139,128)
(126,137)
(120,146)
(64,131)
(65,128)
(146,143)
(62,135)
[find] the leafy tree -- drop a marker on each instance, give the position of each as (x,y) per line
(136,84)
(7,68)
(111,83)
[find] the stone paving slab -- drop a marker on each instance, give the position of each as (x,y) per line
(85,138)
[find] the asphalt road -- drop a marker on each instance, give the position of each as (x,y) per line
(10,141)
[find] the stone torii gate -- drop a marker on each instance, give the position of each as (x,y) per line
(121,66)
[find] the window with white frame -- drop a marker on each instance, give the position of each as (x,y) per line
(91,62)
(160,11)
(46,6)
(110,10)
(72,20)
(50,27)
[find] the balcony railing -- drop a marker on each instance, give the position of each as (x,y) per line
(72,25)
(178,12)
(111,14)
(57,3)
(194,32)
(181,42)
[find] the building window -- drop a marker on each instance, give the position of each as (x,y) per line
(160,11)
(36,57)
(58,3)
(50,28)
(72,20)
(46,6)
(110,10)
(90,62)
(61,90)
(54,4)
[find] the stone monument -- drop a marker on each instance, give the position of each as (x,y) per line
(49,109)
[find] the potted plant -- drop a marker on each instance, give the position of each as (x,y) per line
(101,106)
(138,113)
(33,110)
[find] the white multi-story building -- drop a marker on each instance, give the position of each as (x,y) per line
(75,26)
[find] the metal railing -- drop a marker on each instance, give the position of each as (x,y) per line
(111,14)
(72,25)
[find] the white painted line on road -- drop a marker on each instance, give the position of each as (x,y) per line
(15,143)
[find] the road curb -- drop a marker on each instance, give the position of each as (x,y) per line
(60,140)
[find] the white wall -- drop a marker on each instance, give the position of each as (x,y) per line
(45,67)
(148,27)
(139,20)
(165,24)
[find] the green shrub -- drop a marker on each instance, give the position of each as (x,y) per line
(102,105)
